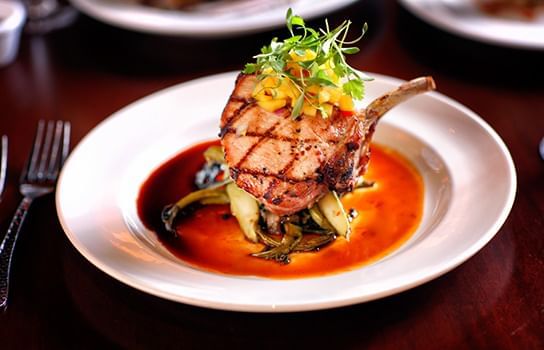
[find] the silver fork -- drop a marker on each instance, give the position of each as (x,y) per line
(3,163)
(50,149)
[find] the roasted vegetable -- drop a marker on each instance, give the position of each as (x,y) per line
(333,210)
(280,249)
(361,183)
(308,245)
(245,209)
(200,195)
(280,253)
(320,219)
(266,239)
(205,196)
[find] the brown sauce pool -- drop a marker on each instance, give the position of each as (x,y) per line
(210,239)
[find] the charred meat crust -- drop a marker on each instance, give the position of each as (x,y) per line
(342,169)
(287,164)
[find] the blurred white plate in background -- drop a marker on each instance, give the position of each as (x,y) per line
(464,18)
(206,22)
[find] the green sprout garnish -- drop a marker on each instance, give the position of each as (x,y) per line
(327,52)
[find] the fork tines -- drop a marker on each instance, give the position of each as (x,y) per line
(3,163)
(49,151)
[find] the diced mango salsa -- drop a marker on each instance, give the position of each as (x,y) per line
(335,94)
(328,108)
(272,105)
(309,110)
(275,91)
(324,96)
(308,55)
(313,89)
(346,103)
(295,69)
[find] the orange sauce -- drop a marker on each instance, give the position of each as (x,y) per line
(210,238)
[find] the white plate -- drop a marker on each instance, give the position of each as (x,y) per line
(469,189)
(462,17)
(203,23)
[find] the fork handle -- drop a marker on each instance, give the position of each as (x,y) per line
(7,246)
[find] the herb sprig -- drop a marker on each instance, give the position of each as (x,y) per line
(329,50)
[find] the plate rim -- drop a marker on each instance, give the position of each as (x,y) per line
(435,271)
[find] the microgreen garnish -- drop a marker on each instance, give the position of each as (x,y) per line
(311,57)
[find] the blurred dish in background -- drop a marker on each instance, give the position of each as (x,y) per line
(489,21)
(203,18)
(168,4)
(515,9)
(211,5)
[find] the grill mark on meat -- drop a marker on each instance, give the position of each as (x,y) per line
(282,172)
(268,193)
(288,166)
(261,137)
(236,115)
(276,200)
(235,172)
(268,134)
(241,99)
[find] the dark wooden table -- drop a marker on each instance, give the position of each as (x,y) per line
(89,70)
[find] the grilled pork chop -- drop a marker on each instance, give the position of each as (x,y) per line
(289,164)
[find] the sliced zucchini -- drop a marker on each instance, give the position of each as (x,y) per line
(199,196)
(319,218)
(245,209)
(223,198)
(333,210)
